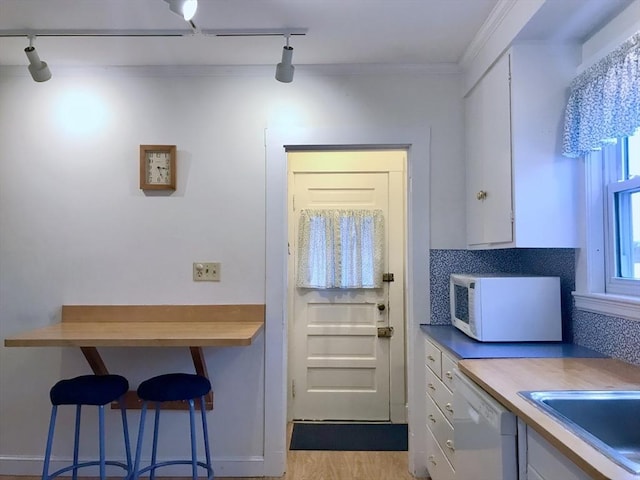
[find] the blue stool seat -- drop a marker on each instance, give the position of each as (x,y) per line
(167,388)
(94,390)
(174,386)
(89,390)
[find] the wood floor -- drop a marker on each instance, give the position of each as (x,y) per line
(304,465)
(330,465)
(326,465)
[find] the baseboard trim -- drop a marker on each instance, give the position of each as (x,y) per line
(21,465)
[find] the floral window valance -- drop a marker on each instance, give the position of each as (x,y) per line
(340,249)
(605,101)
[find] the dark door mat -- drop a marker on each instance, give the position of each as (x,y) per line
(381,437)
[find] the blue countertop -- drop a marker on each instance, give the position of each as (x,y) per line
(463,346)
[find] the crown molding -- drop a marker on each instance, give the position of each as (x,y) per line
(493,21)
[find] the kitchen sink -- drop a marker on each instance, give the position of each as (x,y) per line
(607,420)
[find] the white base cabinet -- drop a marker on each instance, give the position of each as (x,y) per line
(521,192)
(439,404)
(539,460)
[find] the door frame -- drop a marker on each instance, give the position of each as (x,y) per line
(416,140)
(397,180)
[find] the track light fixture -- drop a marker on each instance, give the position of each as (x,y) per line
(285,70)
(38,69)
(185,8)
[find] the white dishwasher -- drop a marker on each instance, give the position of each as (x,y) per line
(484,434)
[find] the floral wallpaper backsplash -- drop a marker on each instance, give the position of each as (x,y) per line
(616,337)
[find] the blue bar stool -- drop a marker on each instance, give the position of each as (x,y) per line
(98,390)
(167,388)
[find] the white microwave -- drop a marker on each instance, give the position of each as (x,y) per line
(506,308)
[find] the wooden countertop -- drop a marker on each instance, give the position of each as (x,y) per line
(504,378)
(148,326)
(139,334)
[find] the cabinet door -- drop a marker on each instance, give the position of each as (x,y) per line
(547,462)
(488,150)
(475,152)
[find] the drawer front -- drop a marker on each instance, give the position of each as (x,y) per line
(437,463)
(448,366)
(433,358)
(440,428)
(440,394)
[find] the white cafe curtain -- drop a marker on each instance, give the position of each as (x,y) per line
(340,249)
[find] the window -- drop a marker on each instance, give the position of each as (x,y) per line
(603,106)
(622,216)
(607,268)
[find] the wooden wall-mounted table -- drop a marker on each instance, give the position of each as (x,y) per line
(193,326)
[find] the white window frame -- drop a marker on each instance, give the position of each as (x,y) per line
(591,267)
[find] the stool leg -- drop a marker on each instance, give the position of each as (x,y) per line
(76,441)
(125,429)
(205,433)
(47,454)
(154,451)
(194,453)
(101,434)
(136,465)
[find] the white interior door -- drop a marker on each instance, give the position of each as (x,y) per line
(340,368)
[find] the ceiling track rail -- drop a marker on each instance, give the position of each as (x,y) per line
(228,32)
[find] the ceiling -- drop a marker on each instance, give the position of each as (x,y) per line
(411,32)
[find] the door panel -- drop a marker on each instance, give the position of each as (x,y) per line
(339,367)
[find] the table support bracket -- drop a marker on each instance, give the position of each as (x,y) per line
(131,399)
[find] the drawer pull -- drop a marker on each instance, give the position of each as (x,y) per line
(431,386)
(432,418)
(432,459)
(431,358)
(448,407)
(449,375)
(449,444)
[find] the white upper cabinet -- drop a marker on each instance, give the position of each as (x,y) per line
(521,192)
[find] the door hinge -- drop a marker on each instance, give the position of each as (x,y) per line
(387,277)
(293,388)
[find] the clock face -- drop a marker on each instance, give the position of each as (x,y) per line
(158,168)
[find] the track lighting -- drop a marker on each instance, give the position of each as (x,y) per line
(185,8)
(285,70)
(38,69)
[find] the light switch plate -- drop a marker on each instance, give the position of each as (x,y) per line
(206,272)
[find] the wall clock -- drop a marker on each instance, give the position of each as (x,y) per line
(158,167)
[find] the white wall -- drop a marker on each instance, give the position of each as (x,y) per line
(611,35)
(75,228)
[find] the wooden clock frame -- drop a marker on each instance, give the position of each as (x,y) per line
(144,179)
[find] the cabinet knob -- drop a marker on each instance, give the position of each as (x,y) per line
(431,358)
(431,386)
(448,407)
(481,195)
(449,375)
(432,418)
(432,459)
(449,444)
